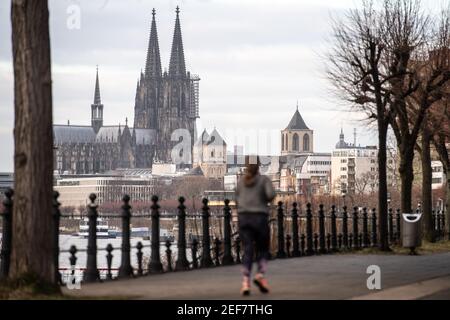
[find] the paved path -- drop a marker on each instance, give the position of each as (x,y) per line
(317,277)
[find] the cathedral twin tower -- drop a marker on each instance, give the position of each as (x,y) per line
(166,101)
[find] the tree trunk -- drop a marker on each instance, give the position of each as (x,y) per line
(427,218)
(446,203)
(407,177)
(32,247)
(382,187)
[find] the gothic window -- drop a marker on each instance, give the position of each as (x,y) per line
(295,146)
(183,101)
(286,144)
(282,142)
(306,142)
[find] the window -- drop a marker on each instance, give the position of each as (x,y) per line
(282,142)
(306,142)
(295,142)
(343,169)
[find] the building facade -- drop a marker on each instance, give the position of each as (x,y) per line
(210,155)
(6,182)
(74,192)
(354,169)
(438,176)
(164,102)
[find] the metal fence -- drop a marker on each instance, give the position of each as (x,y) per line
(296,231)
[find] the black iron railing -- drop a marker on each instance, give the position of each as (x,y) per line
(294,233)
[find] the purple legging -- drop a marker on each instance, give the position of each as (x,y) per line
(254,232)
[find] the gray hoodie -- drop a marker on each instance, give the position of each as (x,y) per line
(254,199)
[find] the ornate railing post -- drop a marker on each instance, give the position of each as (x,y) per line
(109,257)
(295,240)
(139,247)
(125,269)
(443,224)
(391,225)
(217,244)
(355,228)
(374,228)
(155,265)
(328,242)
(434,221)
(316,243)
(334,246)
(206,241)
(73,263)
(182,262)
(340,236)
(169,255)
(56,219)
(322,245)
(397,225)
(345,228)
(227,255)
(5,253)
(288,245)
(309,231)
(438,224)
(237,244)
(303,243)
(366,239)
(92,273)
(194,248)
(280,227)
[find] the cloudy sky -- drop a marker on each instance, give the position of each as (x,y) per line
(255,59)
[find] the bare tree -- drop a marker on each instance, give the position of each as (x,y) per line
(411,40)
(32,246)
(357,71)
(440,141)
(362,183)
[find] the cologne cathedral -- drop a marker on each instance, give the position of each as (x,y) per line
(165,101)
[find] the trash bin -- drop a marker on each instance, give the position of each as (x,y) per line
(412,231)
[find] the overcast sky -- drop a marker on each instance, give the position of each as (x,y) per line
(255,59)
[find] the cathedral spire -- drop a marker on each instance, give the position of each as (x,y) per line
(97,107)
(97,99)
(177,65)
(153,61)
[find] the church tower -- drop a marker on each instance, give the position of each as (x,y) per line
(148,91)
(180,98)
(297,138)
(97,108)
(166,102)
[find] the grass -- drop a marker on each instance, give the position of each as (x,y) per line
(28,286)
(426,249)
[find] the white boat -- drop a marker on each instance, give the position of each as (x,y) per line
(103,230)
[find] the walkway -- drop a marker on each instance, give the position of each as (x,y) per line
(316,277)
